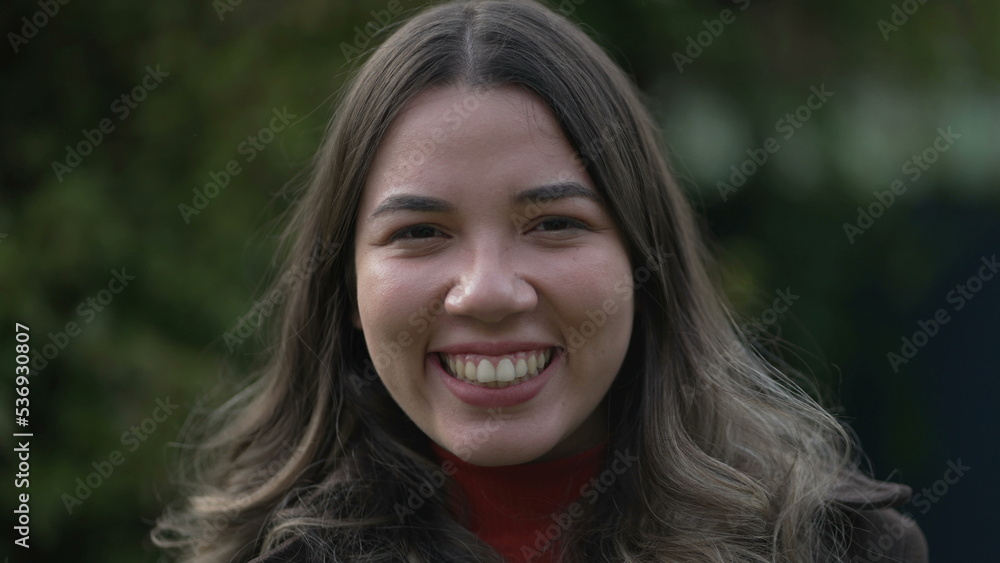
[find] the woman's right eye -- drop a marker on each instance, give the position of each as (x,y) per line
(415,232)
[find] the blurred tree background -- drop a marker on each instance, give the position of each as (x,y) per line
(115,114)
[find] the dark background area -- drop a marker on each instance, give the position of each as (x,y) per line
(224,70)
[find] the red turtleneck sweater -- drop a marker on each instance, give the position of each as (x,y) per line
(524,510)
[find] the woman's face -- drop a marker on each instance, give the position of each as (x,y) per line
(494,291)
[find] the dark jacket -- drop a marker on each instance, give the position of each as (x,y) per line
(876,531)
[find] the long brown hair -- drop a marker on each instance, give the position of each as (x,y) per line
(736,462)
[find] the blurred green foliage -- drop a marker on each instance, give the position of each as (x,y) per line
(224,72)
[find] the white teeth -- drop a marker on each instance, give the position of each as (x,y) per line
(486,372)
(510,370)
(505,370)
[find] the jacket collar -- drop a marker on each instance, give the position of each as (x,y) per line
(859,492)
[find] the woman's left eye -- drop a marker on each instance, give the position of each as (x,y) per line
(415,232)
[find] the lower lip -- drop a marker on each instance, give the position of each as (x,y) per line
(494,397)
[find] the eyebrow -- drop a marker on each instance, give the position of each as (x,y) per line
(551,192)
(540,194)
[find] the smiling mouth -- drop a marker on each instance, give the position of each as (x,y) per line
(497,371)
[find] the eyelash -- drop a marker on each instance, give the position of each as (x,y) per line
(399,235)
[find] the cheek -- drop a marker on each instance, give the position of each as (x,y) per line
(595,301)
(584,284)
(387,300)
(387,294)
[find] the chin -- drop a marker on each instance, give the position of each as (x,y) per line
(492,449)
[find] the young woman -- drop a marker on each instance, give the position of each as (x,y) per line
(506,344)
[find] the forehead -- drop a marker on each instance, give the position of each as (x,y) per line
(503,136)
(458,111)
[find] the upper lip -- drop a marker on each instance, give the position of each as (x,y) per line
(493,348)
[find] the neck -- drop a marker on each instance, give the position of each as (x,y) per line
(513,507)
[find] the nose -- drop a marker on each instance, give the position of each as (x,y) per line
(489,288)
